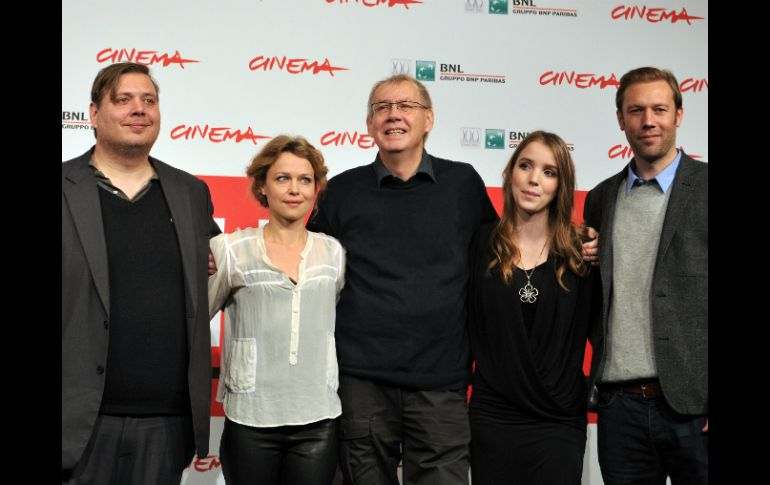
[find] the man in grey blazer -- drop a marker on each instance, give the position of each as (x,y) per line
(136,355)
(649,372)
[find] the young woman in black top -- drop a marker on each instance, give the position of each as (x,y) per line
(532,300)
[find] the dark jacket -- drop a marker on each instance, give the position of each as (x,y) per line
(679,293)
(86,298)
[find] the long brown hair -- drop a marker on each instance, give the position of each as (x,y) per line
(565,236)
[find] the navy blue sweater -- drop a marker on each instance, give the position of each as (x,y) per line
(401,318)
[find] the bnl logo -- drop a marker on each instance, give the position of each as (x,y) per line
(74,116)
(498,7)
(501,6)
(494,139)
(424,70)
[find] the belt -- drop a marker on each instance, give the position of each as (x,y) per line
(647,389)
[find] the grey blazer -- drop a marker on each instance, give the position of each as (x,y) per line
(679,286)
(86,298)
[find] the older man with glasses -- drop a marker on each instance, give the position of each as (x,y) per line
(406,221)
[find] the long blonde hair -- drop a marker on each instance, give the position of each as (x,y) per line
(565,236)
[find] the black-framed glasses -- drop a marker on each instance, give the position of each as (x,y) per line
(403,106)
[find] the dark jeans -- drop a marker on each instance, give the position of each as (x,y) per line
(641,440)
(127,450)
(284,455)
(382,425)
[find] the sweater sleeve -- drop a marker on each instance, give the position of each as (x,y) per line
(219,291)
(219,285)
(591,207)
(341,269)
(487,210)
(319,221)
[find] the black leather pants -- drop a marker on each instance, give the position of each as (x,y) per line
(284,455)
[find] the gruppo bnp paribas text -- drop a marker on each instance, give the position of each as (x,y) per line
(454,72)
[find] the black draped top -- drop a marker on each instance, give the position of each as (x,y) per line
(529,356)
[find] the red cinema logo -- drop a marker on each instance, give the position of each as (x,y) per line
(215,134)
(377,3)
(694,85)
(293,65)
(579,80)
(205,464)
(620,151)
(652,15)
(147,58)
(361,140)
(624,152)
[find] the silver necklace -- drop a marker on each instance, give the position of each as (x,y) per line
(528,294)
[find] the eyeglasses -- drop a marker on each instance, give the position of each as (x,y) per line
(403,106)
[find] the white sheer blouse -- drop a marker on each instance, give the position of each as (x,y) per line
(279,361)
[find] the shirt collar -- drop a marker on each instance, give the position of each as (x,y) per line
(99,174)
(664,178)
(382,172)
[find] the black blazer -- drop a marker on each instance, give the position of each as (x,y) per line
(679,293)
(86,298)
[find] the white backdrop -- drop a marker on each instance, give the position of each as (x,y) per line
(235,73)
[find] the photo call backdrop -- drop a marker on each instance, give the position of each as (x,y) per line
(234,74)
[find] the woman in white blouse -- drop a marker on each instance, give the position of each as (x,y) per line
(279,285)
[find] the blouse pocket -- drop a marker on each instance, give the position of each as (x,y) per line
(332,371)
(242,365)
